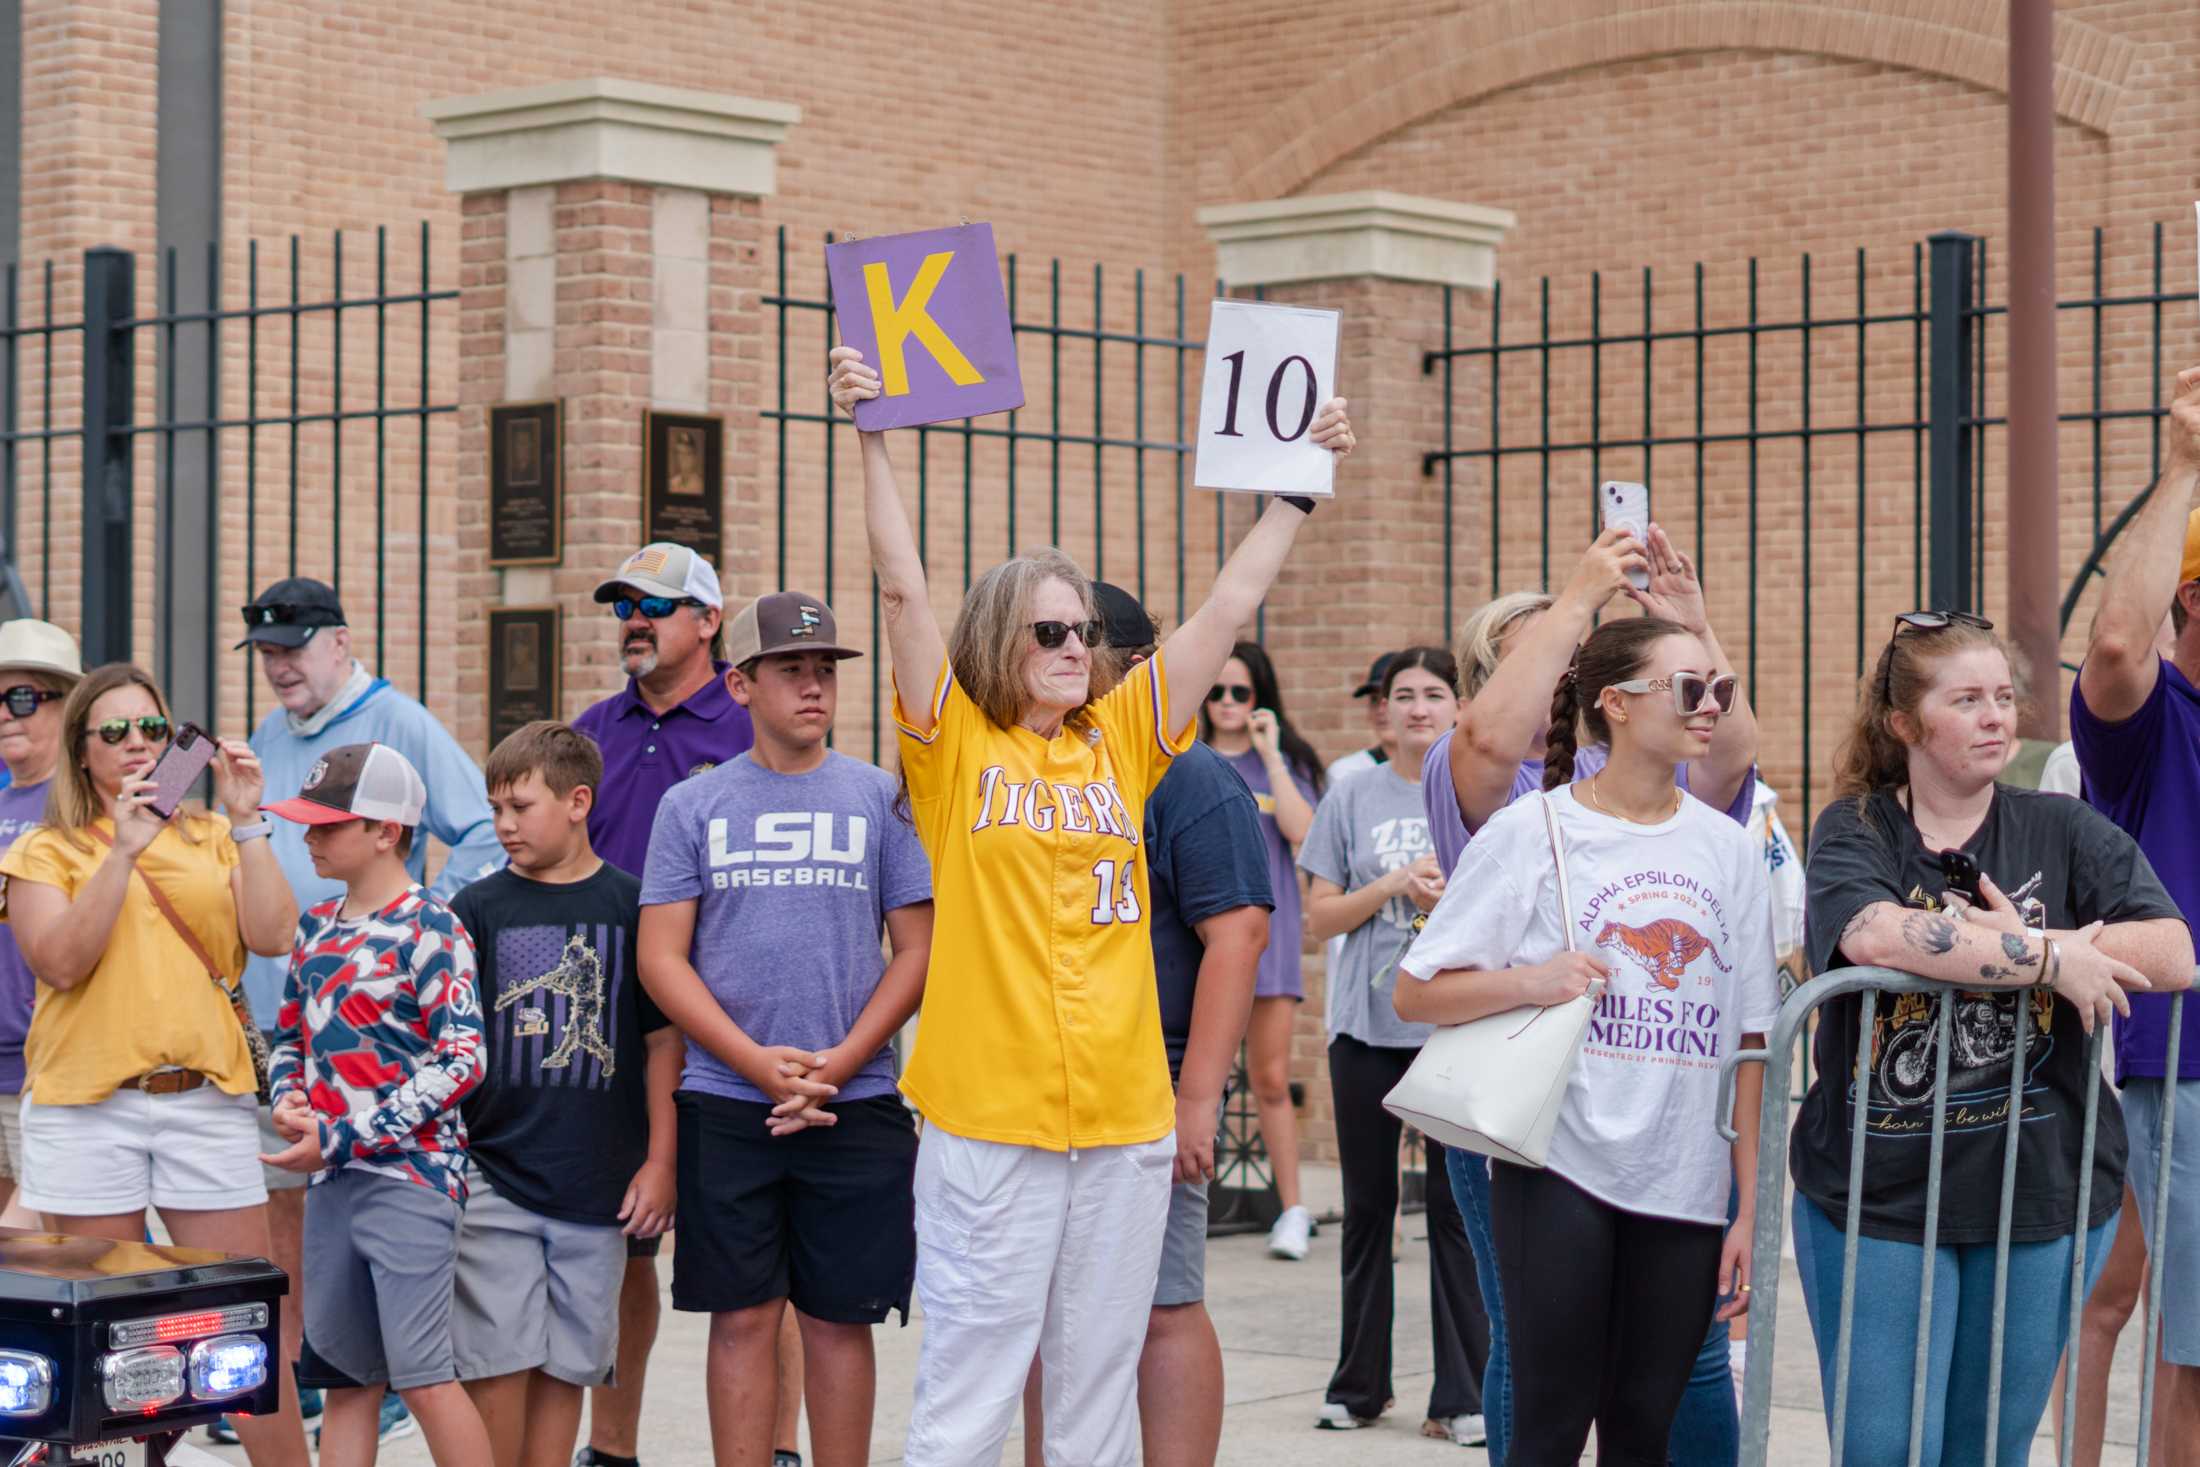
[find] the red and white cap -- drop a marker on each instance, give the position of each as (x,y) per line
(357,782)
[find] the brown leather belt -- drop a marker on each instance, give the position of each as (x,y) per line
(168,1081)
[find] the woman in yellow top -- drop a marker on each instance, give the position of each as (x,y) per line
(1049,1148)
(138,1085)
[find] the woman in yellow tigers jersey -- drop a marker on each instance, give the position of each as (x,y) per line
(1049,1142)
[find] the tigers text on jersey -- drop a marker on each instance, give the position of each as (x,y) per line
(1040,1025)
(380,1030)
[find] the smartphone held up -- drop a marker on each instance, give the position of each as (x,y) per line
(179,768)
(1628,506)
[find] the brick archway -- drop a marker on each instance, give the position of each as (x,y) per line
(1491,45)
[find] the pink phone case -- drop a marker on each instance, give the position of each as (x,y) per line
(180,767)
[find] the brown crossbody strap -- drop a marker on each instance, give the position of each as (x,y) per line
(175,918)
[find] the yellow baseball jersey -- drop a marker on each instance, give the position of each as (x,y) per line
(1040,1025)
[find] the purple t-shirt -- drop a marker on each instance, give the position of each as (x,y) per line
(1448,829)
(792,876)
(2144,774)
(21,807)
(646,753)
(1279,965)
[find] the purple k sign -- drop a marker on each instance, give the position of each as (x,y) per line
(927,312)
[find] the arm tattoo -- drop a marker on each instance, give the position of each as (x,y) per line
(1856,924)
(1929,932)
(1996,973)
(2017,950)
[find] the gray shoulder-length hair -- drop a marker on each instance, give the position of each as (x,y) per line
(987,647)
(1483,633)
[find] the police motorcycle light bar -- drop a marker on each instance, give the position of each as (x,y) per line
(105,1343)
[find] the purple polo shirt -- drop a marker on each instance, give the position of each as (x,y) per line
(647,753)
(2144,774)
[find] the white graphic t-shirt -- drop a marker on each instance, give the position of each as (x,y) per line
(1680,913)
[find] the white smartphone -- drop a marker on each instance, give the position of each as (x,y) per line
(1628,505)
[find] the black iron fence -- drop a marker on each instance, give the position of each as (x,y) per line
(1820,437)
(242,419)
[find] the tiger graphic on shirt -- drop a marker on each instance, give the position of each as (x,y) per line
(1663,949)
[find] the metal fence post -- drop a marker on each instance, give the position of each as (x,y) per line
(1950,453)
(110,387)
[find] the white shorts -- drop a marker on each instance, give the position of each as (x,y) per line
(198,1151)
(1022,1252)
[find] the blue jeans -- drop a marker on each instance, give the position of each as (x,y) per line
(1470,1187)
(1707,1430)
(1884,1343)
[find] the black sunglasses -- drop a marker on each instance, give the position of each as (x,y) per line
(656,608)
(115,730)
(1922,621)
(1230,692)
(1052,634)
(1960,871)
(282,614)
(23,699)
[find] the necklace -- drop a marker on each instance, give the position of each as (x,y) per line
(1591,786)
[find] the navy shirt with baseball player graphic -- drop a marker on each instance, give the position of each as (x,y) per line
(560,1123)
(792,876)
(2064,866)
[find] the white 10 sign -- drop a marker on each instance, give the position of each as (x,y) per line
(1269,370)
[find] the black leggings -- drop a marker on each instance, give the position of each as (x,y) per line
(1605,1314)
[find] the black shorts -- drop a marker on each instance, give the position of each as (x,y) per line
(645,1247)
(825,1218)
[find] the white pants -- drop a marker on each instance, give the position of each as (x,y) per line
(1022,1252)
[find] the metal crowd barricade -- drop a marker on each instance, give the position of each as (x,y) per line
(1778,1058)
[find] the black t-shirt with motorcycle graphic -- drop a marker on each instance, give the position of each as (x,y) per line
(2063,865)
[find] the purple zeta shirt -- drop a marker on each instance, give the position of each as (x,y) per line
(1448,829)
(22,806)
(2144,775)
(646,753)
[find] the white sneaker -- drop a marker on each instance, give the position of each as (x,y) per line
(1287,1239)
(1466,1431)
(1334,1417)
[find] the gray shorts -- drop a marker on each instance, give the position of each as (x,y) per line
(1183,1278)
(11,1137)
(2178,1255)
(535,1293)
(273,1141)
(380,1255)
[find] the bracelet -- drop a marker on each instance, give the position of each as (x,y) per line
(258,830)
(1298,502)
(2050,963)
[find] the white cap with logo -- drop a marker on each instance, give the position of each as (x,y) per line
(664,569)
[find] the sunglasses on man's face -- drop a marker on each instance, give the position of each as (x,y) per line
(656,608)
(115,730)
(1052,634)
(1693,693)
(1230,693)
(22,700)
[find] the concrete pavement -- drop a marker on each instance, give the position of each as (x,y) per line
(1278,1323)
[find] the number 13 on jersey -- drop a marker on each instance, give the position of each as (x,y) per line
(1269,370)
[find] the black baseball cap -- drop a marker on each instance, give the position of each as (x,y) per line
(1374,683)
(1123,621)
(288,613)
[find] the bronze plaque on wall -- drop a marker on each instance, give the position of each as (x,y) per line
(526,483)
(684,482)
(524,667)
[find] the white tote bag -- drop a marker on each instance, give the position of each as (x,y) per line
(1495,1085)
